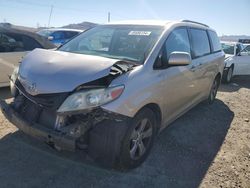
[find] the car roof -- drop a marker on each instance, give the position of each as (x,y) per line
(140,22)
(62,29)
(163,23)
(45,43)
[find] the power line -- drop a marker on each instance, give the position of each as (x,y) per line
(54,7)
(108,16)
(51,10)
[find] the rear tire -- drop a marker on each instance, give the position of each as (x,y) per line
(213,91)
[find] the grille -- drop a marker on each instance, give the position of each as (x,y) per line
(51,101)
(34,113)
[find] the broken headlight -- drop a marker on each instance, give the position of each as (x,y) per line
(87,99)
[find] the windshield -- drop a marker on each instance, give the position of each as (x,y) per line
(132,43)
(228,48)
(45,33)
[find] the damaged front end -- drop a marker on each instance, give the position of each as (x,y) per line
(66,119)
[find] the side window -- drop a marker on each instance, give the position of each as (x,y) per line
(70,34)
(177,41)
(11,42)
(200,42)
(215,41)
(58,35)
(30,43)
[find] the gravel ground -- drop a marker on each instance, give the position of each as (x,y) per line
(207,147)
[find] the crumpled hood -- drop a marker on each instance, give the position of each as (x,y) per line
(46,71)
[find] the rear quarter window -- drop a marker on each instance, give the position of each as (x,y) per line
(215,42)
(199,42)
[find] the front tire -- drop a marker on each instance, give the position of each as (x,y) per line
(228,76)
(112,144)
(139,139)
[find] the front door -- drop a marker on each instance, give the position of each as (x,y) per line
(177,83)
(242,63)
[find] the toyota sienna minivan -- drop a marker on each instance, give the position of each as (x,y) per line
(112,89)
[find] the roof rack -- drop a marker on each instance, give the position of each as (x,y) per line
(190,21)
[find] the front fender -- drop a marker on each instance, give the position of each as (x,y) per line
(229,62)
(141,88)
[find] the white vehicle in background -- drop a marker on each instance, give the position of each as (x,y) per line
(237,60)
(246,47)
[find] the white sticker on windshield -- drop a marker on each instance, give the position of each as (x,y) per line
(141,33)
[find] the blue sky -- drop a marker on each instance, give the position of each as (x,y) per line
(228,17)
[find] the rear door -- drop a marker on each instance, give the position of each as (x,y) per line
(203,60)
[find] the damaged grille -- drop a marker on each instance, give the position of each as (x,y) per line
(34,113)
(40,108)
(51,101)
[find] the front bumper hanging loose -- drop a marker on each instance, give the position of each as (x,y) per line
(52,137)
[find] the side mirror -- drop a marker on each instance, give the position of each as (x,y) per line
(50,38)
(179,59)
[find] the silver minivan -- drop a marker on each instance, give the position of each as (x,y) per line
(112,89)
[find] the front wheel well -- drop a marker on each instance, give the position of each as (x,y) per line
(157,111)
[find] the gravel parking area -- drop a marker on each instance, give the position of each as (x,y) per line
(207,147)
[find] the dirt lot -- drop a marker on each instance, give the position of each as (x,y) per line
(207,147)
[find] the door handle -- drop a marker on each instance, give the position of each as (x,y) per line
(195,67)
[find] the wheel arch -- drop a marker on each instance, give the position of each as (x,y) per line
(157,111)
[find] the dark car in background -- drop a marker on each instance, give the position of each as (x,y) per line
(59,36)
(244,41)
(14,44)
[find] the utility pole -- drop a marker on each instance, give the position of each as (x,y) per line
(108,16)
(51,10)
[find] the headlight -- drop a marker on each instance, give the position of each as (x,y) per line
(87,99)
(13,78)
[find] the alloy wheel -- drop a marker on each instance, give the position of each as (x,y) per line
(214,90)
(140,139)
